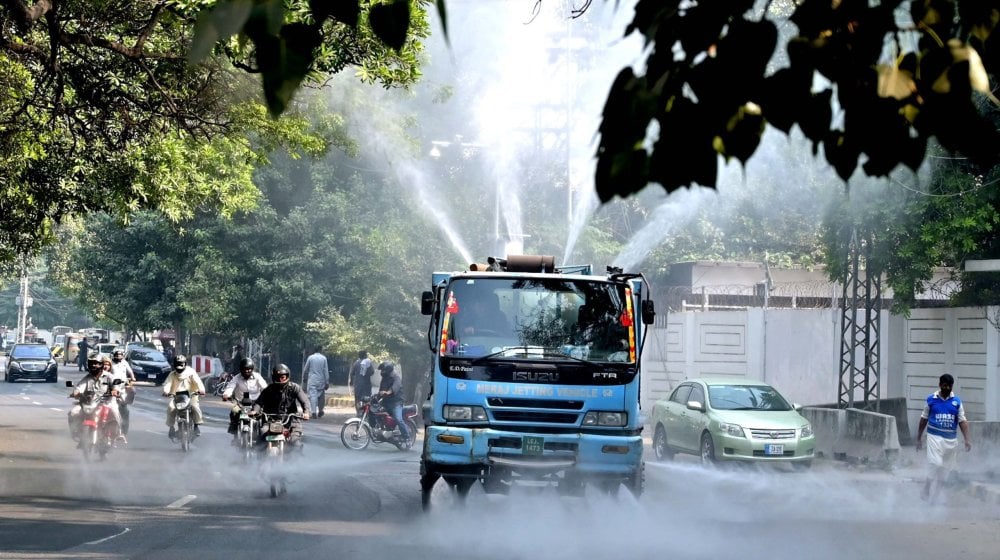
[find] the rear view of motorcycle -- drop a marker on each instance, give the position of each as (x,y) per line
(276,431)
(376,424)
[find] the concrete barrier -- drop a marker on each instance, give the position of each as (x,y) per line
(855,435)
(984,459)
(206,365)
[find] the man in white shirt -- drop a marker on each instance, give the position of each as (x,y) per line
(183,378)
(249,383)
(316,372)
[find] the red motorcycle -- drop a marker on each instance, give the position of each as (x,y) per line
(376,424)
(99,428)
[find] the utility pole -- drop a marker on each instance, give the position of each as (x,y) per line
(23,303)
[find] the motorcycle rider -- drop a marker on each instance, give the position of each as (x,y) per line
(122,371)
(248,382)
(390,389)
(96,381)
(283,396)
(183,378)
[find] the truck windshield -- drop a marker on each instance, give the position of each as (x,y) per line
(584,319)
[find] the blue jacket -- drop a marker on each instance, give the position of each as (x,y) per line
(942,420)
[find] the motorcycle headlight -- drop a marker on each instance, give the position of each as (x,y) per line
(465,413)
(596,418)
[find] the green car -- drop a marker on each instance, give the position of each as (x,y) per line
(731,420)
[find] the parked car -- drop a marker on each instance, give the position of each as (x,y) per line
(31,360)
(106,348)
(148,364)
(731,420)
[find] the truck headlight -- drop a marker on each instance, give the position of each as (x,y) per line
(595,418)
(465,413)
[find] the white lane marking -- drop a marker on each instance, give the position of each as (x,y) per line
(56,409)
(99,541)
(25,398)
(182,502)
(36,402)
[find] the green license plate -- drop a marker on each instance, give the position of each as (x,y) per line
(532,445)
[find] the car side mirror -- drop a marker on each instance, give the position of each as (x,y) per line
(427,303)
(796,406)
(696,405)
(648,312)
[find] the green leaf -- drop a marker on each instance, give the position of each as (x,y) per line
(390,22)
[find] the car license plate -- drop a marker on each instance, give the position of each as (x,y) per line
(774,449)
(276,437)
(532,445)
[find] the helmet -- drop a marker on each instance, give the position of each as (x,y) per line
(386,367)
(118,354)
(246,364)
(279,371)
(180,362)
(94,362)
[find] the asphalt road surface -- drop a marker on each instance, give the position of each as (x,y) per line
(153,501)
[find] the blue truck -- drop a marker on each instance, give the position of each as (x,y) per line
(536,373)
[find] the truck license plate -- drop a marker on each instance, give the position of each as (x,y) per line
(774,449)
(532,445)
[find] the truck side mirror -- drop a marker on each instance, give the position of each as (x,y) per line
(427,303)
(648,312)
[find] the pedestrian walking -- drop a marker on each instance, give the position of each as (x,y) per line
(83,348)
(360,378)
(316,372)
(942,417)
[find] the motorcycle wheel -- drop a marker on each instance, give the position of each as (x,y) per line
(246,447)
(355,435)
(88,440)
(182,433)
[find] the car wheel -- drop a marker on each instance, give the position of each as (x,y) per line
(707,449)
(661,450)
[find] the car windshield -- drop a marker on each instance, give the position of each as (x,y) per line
(146,355)
(22,352)
(746,397)
(545,318)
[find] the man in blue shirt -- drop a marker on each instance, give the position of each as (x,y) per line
(942,417)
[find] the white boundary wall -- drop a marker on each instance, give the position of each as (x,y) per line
(798,351)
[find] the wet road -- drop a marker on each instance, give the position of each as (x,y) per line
(153,501)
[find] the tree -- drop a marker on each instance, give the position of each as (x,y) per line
(101,108)
(710,86)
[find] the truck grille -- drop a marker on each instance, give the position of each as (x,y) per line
(534,403)
(535,417)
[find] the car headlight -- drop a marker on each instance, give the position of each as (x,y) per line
(734,430)
(595,418)
(465,413)
(807,431)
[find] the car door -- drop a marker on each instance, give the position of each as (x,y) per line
(673,422)
(695,421)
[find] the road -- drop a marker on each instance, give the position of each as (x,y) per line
(152,501)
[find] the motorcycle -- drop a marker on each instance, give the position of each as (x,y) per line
(376,424)
(276,430)
(184,424)
(247,431)
(218,386)
(99,428)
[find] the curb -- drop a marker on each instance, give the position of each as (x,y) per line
(340,401)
